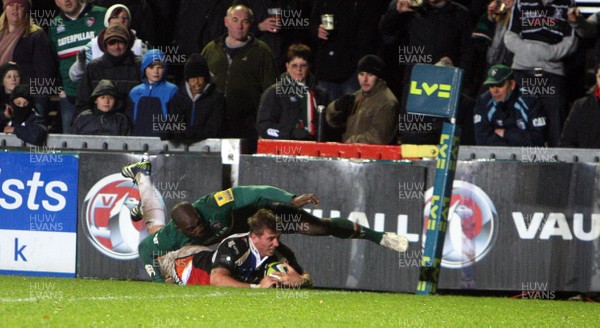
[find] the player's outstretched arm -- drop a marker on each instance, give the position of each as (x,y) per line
(304,199)
(222,277)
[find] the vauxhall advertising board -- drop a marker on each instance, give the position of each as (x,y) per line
(38,213)
(382,196)
(514,225)
(525,226)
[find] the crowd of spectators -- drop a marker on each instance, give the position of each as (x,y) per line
(327,70)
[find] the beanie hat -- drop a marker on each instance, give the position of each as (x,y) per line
(196,66)
(497,74)
(21,91)
(24,3)
(371,64)
(116,31)
(110,11)
(9,66)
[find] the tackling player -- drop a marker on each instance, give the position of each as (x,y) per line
(215,216)
(239,261)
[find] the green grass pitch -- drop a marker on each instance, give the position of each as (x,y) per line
(47,302)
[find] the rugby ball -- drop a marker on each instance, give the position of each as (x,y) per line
(274,267)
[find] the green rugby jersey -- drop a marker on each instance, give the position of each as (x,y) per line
(225,213)
(69,36)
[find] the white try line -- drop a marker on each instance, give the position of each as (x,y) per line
(54,296)
(115,298)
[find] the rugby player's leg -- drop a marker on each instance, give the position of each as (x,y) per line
(152,209)
(149,254)
(291,219)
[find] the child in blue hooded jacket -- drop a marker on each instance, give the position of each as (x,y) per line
(148,102)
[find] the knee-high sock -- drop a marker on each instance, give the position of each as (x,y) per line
(296,220)
(152,208)
(343,228)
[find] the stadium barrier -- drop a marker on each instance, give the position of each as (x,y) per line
(527,220)
(342,150)
(62,142)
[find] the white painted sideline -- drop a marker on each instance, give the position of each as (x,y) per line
(168,296)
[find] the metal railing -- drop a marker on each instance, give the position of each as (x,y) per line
(231,149)
(119,143)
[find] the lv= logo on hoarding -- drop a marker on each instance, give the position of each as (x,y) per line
(434,90)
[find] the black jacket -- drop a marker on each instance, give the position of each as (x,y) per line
(4,98)
(198,23)
(280,109)
(428,34)
(582,128)
(291,31)
(143,17)
(203,117)
(39,65)
(96,122)
(123,72)
(33,130)
(354,36)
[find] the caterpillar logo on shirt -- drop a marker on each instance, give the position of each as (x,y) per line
(74,38)
(224,197)
(443,90)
